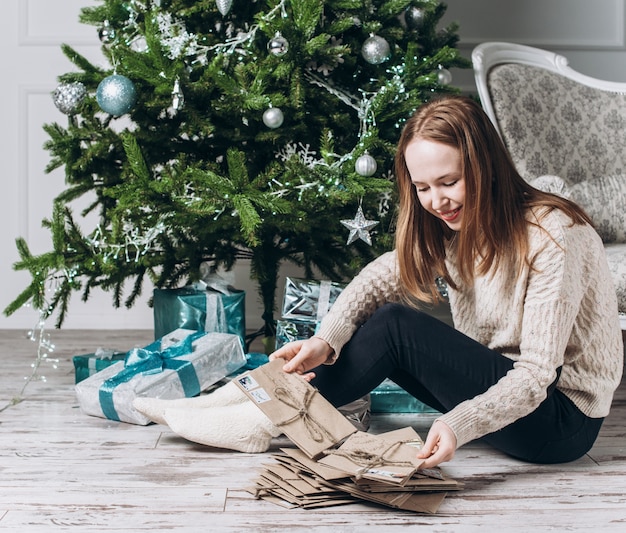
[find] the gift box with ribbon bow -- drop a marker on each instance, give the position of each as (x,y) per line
(181,364)
(210,305)
(90,363)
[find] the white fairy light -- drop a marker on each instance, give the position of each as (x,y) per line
(135,243)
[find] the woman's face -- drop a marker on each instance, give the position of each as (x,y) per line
(435,170)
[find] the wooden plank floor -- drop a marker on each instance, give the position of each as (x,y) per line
(61,470)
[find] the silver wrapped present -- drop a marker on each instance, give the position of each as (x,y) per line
(181,364)
(294,330)
(309,299)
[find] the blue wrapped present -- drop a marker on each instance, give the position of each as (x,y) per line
(88,364)
(203,306)
(181,364)
(391,398)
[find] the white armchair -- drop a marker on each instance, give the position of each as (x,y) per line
(563,129)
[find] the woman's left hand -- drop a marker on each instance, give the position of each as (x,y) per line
(439,447)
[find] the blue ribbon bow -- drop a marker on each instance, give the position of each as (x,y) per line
(152,360)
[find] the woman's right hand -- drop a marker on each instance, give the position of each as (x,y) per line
(303,356)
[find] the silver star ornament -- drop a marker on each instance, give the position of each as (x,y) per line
(359,227)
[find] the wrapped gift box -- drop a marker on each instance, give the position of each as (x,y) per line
(88,364)
(294,330)
(181,364)
(391,398)
(199,307)
(309,299)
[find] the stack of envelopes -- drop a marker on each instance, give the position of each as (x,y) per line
(336,464)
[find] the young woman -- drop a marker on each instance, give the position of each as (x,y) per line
(536,353)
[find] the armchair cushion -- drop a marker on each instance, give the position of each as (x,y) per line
(603,198)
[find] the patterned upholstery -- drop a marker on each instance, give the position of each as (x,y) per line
(616,255)
(555,125)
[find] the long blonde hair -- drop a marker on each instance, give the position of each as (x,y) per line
(494,231)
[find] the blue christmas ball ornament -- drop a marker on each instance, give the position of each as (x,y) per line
(116,95)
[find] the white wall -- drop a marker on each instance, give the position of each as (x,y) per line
(590,34)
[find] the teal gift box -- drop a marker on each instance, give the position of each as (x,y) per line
(88,364)
(181,364)
(200,307)
(391,398)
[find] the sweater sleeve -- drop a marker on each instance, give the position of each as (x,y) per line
(554,287)
(374,286)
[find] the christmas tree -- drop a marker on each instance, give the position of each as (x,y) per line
(229,129)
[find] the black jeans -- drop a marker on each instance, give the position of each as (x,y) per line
(442,367)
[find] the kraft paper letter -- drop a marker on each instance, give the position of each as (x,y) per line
(374,457)
(296,407)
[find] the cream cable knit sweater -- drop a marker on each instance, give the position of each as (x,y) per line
(562,311)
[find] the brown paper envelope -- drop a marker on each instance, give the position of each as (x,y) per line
(298,483)
(323,471)
(329,503)
(278,501)
(407,435)
(411,438)
(424,503)
(289,462)
(305,486)
(287,494)
(295,406)
(374,457)
(422,485)
(427,503)
(265,481)
(281,483)
(280,470)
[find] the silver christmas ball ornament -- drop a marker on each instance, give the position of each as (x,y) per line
(278,45)
(68,97)
(444,76)
(223,6)
(415,17)
(273,117)
(365,165)
(106,34)
(116,95)
(376,50)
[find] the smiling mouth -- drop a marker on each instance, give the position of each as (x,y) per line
(449,216)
